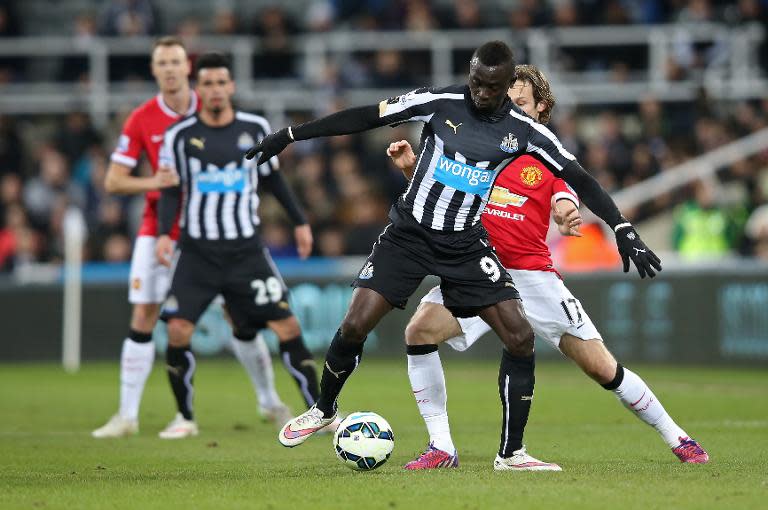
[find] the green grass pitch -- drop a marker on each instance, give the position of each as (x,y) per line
(609,458)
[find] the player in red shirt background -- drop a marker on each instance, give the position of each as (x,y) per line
(149,281)
(517,220)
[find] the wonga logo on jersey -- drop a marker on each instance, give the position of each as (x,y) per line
(463,177)
(223,180)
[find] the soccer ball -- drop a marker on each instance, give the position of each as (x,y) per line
(363,441)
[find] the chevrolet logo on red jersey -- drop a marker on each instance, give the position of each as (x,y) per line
(501,197)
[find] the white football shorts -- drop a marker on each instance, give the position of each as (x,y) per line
(549,306)
(149,280)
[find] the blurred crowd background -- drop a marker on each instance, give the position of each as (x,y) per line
(48,162)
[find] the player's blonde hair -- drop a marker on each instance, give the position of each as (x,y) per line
(167,41)
(542,92)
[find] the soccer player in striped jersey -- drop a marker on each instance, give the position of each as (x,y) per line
(517,220)
(143,133)
(220,250)
(471,132)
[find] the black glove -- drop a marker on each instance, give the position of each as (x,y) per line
(632,247)
(271,145)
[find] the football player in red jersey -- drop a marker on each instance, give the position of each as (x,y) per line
(143,133)
(517,220)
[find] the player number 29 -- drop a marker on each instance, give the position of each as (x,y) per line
(491,268)
(267,291)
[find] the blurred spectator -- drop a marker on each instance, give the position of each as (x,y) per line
(591,252)
(117,249)
(76,68)
(225,22)
(616,145)
(565,14)
(276,58)
(11,147)
(530,13)
(388,71)
(703,230)
(189,28)
(364,219)
(463,15)
(104,240)
(419,16)
(756,230)
(330,242)
(52,183)
(75,136)
(11,187)
(11,68)
(320,16)
(128,18)
(17,240)
(278,237)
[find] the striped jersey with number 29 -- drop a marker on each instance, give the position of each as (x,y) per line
(461,153)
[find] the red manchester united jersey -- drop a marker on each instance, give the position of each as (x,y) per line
(517,214)
(143,132)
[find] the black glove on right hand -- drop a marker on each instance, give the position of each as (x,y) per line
(270,146)
(632,247)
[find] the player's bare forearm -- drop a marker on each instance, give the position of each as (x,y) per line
(567,217)
(120,181)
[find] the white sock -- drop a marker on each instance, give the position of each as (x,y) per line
(136,361)
(638,397)
(254,356)
(428,384)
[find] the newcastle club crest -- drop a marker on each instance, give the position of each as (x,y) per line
(509,143)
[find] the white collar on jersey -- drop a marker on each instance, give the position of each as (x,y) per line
(171,113)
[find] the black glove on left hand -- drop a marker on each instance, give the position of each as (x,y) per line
(632,247)
(270,146)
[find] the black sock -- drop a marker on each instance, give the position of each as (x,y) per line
(301,366)
(617,379)
(181,369)
(516,381)
(139,337)
(340,361)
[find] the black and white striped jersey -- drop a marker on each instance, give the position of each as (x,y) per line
(218,185)
(461,153)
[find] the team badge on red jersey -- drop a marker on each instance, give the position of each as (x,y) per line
(531,176)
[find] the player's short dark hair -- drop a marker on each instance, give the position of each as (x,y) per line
(212,60)
(495,53)
(541,88)
(167,41)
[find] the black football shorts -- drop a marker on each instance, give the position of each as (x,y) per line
(471,275)
(245,275)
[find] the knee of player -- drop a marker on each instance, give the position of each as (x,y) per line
(179,332)
(143,318)
(519,341)
(286,329)
(420,333)
(354,330)
(601,371)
